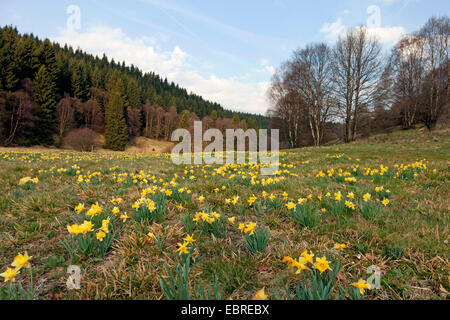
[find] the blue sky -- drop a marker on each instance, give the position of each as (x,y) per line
(225,51)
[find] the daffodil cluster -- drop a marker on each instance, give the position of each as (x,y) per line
(20,261)
(26,180)
(247,228)
(204,216)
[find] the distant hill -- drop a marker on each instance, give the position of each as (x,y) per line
(78,72)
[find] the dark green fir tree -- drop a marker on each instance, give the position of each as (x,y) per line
(116,130)
(44,95)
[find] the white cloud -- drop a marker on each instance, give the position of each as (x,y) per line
(270,69)
(386,35)
(116,44)
(333,30)
(238,95)
(233,93)
(264,62)
(267,68)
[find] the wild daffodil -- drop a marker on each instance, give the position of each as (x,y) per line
(322,264)
(362,285)
(260,295)
(9,274)
(21,261)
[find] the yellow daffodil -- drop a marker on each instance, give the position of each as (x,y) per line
(350,205)
(189,239)
(340,246)
(21,261)
(322,264)
(251,200)
(337,196)
(86,226)
(182,248)
(260,295)
(105,226)
(9,274)
(151,236)
(79,207)
(288,260)
(308,256)
(290,205)
(250,228)
(361,285)
(300,264)
(100,235)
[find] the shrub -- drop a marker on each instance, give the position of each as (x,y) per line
(83,139)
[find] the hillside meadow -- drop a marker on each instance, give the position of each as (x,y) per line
(140,227)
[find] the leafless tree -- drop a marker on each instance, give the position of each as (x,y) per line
(408,69)
(134,121)
(64,115)
(149,114)
(159,121)
(286,107)
(170,122)
(357,65)
(19,110)
(207,123)
(310,77)
(92,114)
(436,35)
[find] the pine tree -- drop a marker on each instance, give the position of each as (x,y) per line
(133,94)
(97,78)
(213,115)
(8,67)
(236,120)
(116,131)
(184,121)
(47,58)
(44,95)
(79,81)
(252,124)
(26,59)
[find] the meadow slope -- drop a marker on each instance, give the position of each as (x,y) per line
(383,201)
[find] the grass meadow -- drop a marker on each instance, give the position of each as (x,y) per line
(140,227)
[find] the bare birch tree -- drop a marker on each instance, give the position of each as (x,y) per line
(357,65)
(310,76)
